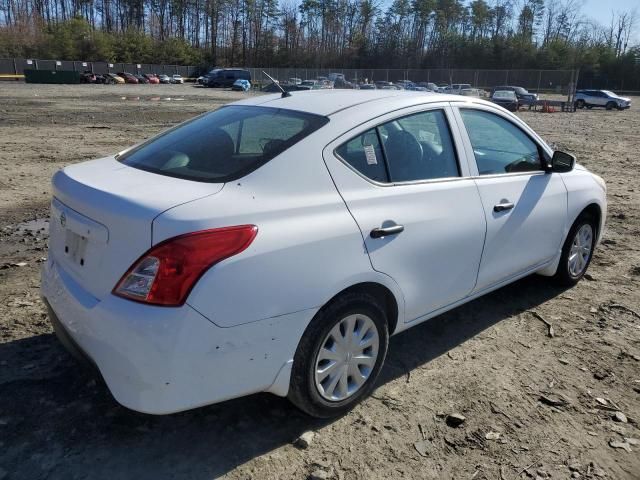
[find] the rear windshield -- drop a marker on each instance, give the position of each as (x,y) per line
(223,145)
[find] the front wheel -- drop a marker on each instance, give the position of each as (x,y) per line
(340,356)
(611,105)
(577,251)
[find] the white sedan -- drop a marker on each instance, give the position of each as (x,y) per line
(275,244)
(177,79)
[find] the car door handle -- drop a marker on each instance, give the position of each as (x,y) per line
(384,231)
(502,207)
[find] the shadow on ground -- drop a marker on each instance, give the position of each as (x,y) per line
(61,421)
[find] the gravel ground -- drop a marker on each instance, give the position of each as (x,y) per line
(535,406)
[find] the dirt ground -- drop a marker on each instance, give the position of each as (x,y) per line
(536,406)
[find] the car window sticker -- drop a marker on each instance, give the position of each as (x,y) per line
(370,153)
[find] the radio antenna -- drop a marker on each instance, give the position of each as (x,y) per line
(285,94)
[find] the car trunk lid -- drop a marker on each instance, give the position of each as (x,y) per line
(102,215)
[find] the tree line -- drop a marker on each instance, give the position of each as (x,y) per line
(549,34)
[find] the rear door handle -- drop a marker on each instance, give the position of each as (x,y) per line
(501,207)
(384,231)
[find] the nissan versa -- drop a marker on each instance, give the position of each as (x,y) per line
(276,243)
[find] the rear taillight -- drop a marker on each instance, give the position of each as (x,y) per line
(167,272)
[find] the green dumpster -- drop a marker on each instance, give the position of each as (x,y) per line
(51,76)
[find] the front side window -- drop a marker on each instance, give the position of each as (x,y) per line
(499,146)
(223,145)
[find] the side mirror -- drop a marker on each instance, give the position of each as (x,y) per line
(562,162)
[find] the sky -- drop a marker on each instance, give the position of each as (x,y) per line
(600,10)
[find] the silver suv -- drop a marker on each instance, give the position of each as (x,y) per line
(601,98)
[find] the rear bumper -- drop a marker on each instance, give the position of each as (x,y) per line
(163,360)
(67,340)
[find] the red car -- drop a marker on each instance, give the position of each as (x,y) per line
(128,78)
(152,78)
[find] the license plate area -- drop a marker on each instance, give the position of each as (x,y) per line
(75,247)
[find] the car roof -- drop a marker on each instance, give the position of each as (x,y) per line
(328,102)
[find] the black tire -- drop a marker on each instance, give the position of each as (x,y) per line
(610,105)
(563,276)
(580,104)
(303,392)
(589,107)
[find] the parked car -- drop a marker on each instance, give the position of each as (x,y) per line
(100,78)
(225,77)
(87,77)
(295,81)
(113,78)
(405,84)
(308,85)
(472,92)
(141,78)
(506,99)
(275,87)
(190,278)
(456,88)
(384,85)
(241,85)
(341,82)
(601,98)
(367,86)
(177,78)
(524,96)
(164,78)
(429,86)
(128,77)
(152,78)
(321,83)
(324,83)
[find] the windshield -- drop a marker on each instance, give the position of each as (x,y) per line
(609,93)
(521,91)
(223,145)
(504,94)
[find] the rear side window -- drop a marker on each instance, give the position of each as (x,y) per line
(414,148)
(223,145)
(365,155)
(419,147)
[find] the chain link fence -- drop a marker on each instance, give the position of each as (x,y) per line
(549,81)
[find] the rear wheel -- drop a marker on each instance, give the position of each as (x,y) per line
(340,356)
(577,251)
(580,104)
